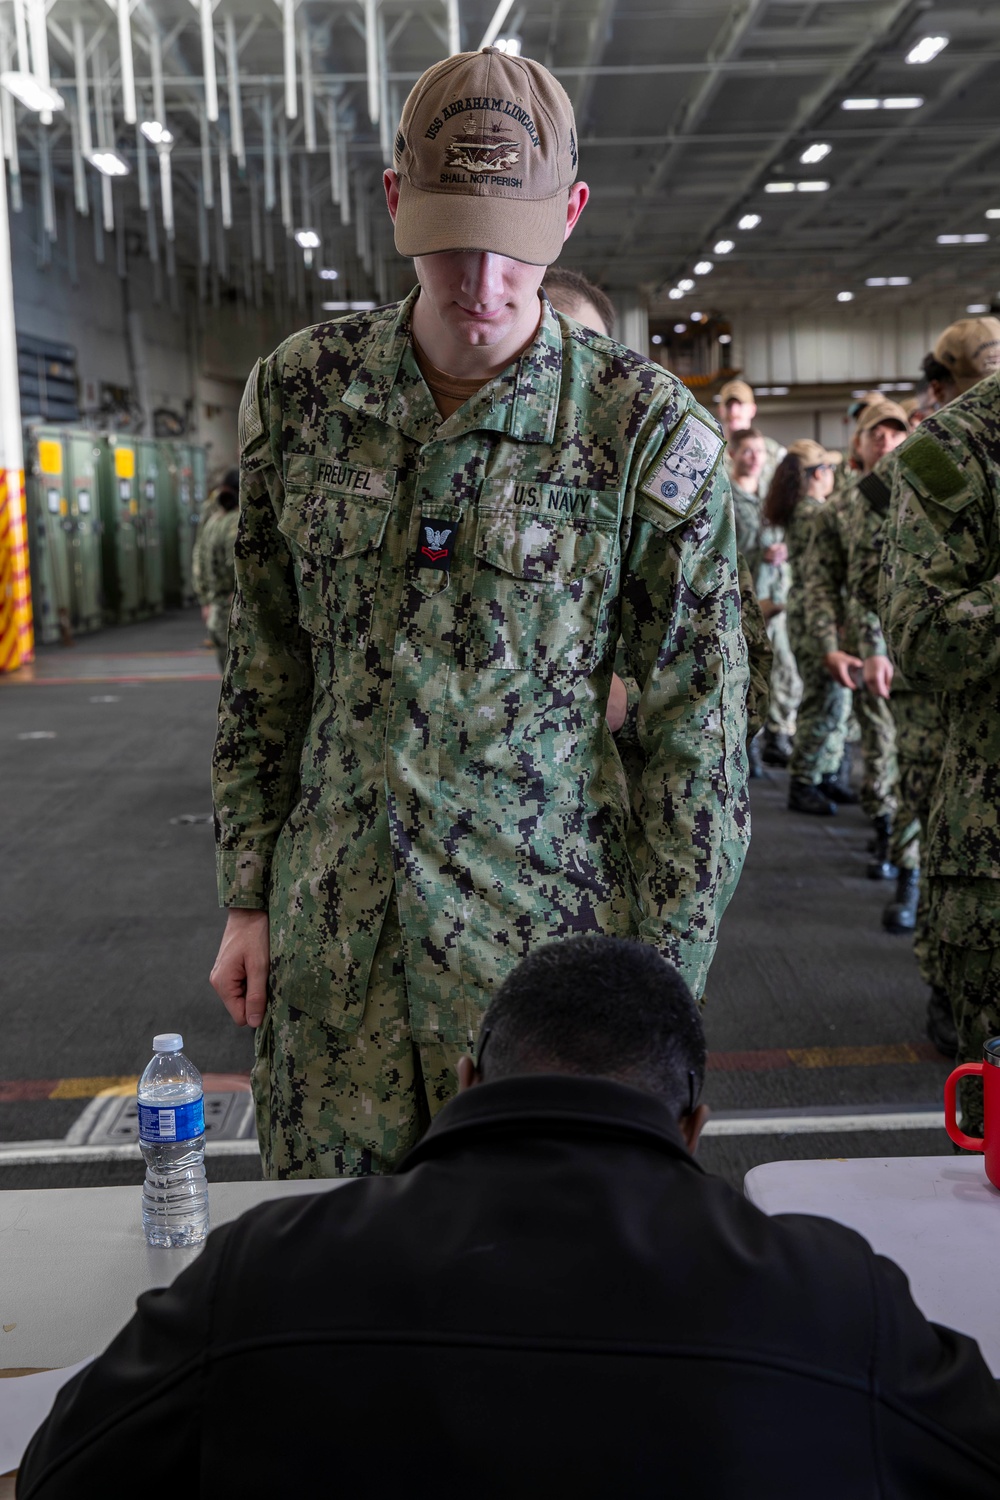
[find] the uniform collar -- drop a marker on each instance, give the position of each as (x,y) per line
(541,1103)
(522,401)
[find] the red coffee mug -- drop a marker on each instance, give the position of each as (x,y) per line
(989,1142)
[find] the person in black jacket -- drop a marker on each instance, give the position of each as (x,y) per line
(548,1298)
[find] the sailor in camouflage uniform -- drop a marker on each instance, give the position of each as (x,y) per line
(215,567)
(830,619)
(917,719)
(413,773)
(941,610)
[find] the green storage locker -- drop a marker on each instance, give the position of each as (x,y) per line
(65,533)
(81,454)
(48,553)
(117,479)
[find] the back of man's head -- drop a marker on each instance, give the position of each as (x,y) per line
(571,292)
(601,1007)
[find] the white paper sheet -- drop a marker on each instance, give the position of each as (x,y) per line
(25,1402)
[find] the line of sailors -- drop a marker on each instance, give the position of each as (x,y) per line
(811,525)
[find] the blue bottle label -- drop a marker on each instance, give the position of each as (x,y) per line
(177,1122)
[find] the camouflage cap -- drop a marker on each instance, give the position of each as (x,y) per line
(736,390)
(812,454)
(882,410)
(970,349)
(486,155)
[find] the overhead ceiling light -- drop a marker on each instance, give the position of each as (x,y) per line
(680,328)
(703,267)
(993,213)
(978,307)
(892,101)
(307,239)
(749,221)
(109,163)
(887,281)
(962,239)
(927,49)
(509,44)
(33,95)
(156,134)
(723,247)
(845,296)
(697,317)
(657,338)
(811,187)
(725,338)
(327,273)
(779,187)
(814,153)
(348,306)
(687,285)
(675,293)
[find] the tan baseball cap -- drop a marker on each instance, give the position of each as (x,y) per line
(812,454)
(882,411)
(970,349)
(486,155)
(736,390)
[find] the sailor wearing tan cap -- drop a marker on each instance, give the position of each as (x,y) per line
(965,353)
(451,510)
(737,411)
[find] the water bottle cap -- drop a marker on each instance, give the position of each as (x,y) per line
(168,1041)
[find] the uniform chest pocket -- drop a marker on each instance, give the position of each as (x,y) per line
(336,543)
(539,594)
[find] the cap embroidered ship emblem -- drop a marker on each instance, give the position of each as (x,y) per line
(486,151)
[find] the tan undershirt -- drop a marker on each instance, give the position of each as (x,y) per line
(449,391)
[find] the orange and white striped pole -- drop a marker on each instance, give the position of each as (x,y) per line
(17,637)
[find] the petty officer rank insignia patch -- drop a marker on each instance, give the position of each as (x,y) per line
(435,544)
(683,471)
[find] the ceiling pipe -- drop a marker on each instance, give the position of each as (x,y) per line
(454,27)
(21,34)
(492,31)
(143,169)
(284,177)
(39,50)
(225,191)
(333,135)
(127,63)
(167,200)
(372,60)
(206,159)
(267,126)
(208,61)
(288,33)
(235,99)
(308,92)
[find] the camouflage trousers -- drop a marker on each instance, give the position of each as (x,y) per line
(333,1103)
(965,920)
(786,684)
(218,629)
(878,751)
(919,747)
(823,711)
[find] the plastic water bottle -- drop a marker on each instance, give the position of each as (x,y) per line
(172,1138)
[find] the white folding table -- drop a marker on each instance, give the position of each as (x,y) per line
(937,1217)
